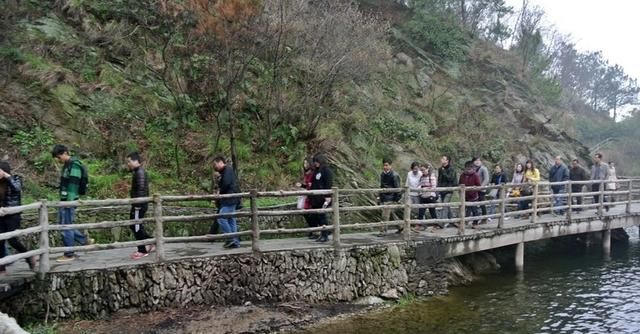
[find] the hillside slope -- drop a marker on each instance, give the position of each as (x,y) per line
(86,74)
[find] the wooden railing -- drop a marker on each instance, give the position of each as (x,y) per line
(541,202)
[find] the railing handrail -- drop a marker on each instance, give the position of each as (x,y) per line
(254,213)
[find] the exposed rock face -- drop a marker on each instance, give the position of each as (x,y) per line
(302,275)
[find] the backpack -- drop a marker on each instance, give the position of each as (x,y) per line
(84,180)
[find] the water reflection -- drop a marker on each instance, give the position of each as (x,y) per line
(578,291)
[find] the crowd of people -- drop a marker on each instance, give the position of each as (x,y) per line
(475,174)
(423,179)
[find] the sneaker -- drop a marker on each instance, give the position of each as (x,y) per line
(138,255)
(323,238)
(65,258)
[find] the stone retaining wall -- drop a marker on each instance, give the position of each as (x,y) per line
(301,275)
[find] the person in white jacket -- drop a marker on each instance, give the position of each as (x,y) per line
(413,182)
(613,178)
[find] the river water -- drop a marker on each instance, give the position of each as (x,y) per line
(575,290)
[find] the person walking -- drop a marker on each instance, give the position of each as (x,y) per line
(389,179)
(599,172)
(428,183)
(447,177)
(577,173)
(470,178)
(10,196)
(613,181)
(497,178)
(413,182)
(322,180)
(139,188)
(304,202)
(483,172)
(558,173)
(517,180)
(531,177)
(228,184)
(73,183)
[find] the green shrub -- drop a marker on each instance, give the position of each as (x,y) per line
(441,36)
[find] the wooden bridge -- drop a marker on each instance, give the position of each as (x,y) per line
(506,226)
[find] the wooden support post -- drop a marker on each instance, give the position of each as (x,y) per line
(534,204)
(601,196)
(43,217)
(407,214)
(159,231)
(463,209)
(629,197)
(503,205)
(255,224)
(520,257)
(335,218)
(569,202)
(606,242)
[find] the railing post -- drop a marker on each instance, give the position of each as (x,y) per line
(569,202)
(534,205)
(601,196)
(407,214)
(335,218)
(255,224)
(503,204)
(43,218)
(463,209)
(629,196)
(159,231)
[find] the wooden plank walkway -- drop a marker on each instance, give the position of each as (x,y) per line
(18,273)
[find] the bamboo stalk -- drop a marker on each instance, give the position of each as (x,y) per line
(407,214)
(20,233)
(463,208)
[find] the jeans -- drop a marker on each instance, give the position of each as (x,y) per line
(7,224)
(70,237)
(558,200)
(482,197)
(446,198)
(228,224)
(422,213)
(471,211)
(388,213)
(138,229)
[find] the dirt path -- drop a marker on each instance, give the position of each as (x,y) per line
(223,320)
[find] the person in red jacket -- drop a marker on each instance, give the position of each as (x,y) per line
(470,178)
(307,180)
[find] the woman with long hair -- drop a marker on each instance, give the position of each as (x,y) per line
(531,176)
(304,202)
(428,182)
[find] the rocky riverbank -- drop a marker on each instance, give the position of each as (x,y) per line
(286,317)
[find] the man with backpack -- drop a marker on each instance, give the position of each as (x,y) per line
(73,184)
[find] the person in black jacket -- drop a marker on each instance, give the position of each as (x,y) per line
(389,179)
(11,195)
(322,179)
(139,188)
(447,177)
(577,173)
(228,184)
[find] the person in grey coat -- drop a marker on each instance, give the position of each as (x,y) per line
(483,172)
(558,173)
(599,172)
